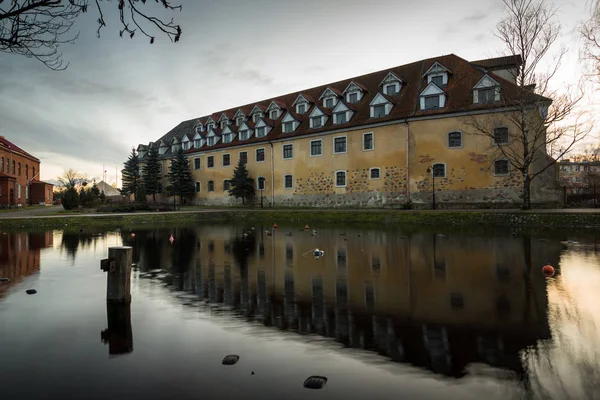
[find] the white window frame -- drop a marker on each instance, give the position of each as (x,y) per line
(316,127)
(256,153)
(502,159)
(291,123)
(333,99)
(335,174)
(310,148)
(335,117)
(256,116)
(384,105)
(395,85)
(283,151)
(305,108)
(288,188)
(448,140)
(223,164)
(208,186)
(333,142)
(240,156)
(276,111)
(354,92)
(213,161)
(199,163)
(371,169)
(445,170)
(240,120)
(264,128)
(363,141)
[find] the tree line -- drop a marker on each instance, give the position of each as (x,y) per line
(141,179)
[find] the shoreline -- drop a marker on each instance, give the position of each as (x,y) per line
(461,219)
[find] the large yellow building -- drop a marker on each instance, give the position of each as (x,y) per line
(382,139)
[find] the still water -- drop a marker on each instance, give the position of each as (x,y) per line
(382,314)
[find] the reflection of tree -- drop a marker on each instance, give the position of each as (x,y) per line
(72,242)
(184,247)
(242,248)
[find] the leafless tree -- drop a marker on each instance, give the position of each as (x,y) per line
(71,179)
(590,31)
(38,28)
(543,121)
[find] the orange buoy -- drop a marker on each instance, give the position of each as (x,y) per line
(548,270)
(306,227)
(171,239)
(132,234)
(275,225)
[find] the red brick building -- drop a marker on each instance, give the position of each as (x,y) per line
(19,178)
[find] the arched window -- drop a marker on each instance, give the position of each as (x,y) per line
(19,169)
(260,183)
(2,165)
(26,171)
(13,167)
(455,139)
(211,186)
(226,185)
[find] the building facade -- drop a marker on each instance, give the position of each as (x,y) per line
(382,139)
(579,177)
(19,173)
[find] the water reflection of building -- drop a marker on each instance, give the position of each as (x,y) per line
(436,301)
(20,255)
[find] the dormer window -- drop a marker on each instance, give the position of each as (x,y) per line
(487,90)
(227,137)
(244,134)
(380,106)
(353,92)
(211,141)
(302,104)
(341,114)
(197,141)
(175,146)
(274,111)
(223,121)
(262,129)
(432,97)
(437,74)
(210,124)
(330,98)
(260,132)
(317,118)
(391,84)
(289,124)
(274,114)
(162,149)
(224,124)
(199,129)
(239,117)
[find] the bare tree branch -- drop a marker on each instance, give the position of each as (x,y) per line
(542,122)
(590,33)
(38,28)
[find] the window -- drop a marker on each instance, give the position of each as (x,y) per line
(316,148)
(227,138)
(244,157)
(48,190)
(19,169)
(239,120)
(288,182)
(244,135)
(501,167)
(18,191)
(2,164)
(368,141)
(260,183)
(288,127)
(26,192)
(226,185)
(226,160)
(197,187)
(211,141)
(487,95)
(353,98)
(27,171)
(273,114)
(340,179)
(340,117)
(288,151)
(196,163)
(501,136)
(454,140)
(439,170)
(315,122)
(379,110)
(438,80)
(390,90)
(329,103)
(301,108)
(32,172)
(339,145)
(432,102)
(211,186)
(375,173)
(210,161)
(197,143)
(260,155)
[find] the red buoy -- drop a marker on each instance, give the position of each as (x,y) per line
(306,227)
(548,270)
(275,225)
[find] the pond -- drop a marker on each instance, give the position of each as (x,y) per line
(381,313)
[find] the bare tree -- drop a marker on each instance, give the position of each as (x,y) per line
(590,31)
(542,121)
(37,28)
(71,179)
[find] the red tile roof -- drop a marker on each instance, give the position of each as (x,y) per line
(15,148)
(464,75)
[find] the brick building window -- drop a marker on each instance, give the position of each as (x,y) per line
(2,165)
(13,167)
(26,171)
(19,169)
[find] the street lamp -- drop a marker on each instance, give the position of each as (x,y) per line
(430,170)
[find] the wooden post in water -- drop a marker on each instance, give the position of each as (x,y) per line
(118,266)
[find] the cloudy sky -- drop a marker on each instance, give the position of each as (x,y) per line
(117,93)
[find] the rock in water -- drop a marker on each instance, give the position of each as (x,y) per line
(315,382)
(231,359)
(4,280)
(31,291)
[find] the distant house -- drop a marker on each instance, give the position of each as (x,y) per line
(19,183)
(579,176)
(107,189)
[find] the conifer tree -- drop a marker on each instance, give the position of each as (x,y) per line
(180,177)
(152,173)
(132,179)
(242,185)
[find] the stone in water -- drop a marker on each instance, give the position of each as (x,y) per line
(4,280)
(230,360)
(315,382)
(31,291)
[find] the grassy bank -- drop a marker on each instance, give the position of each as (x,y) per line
(446,219)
